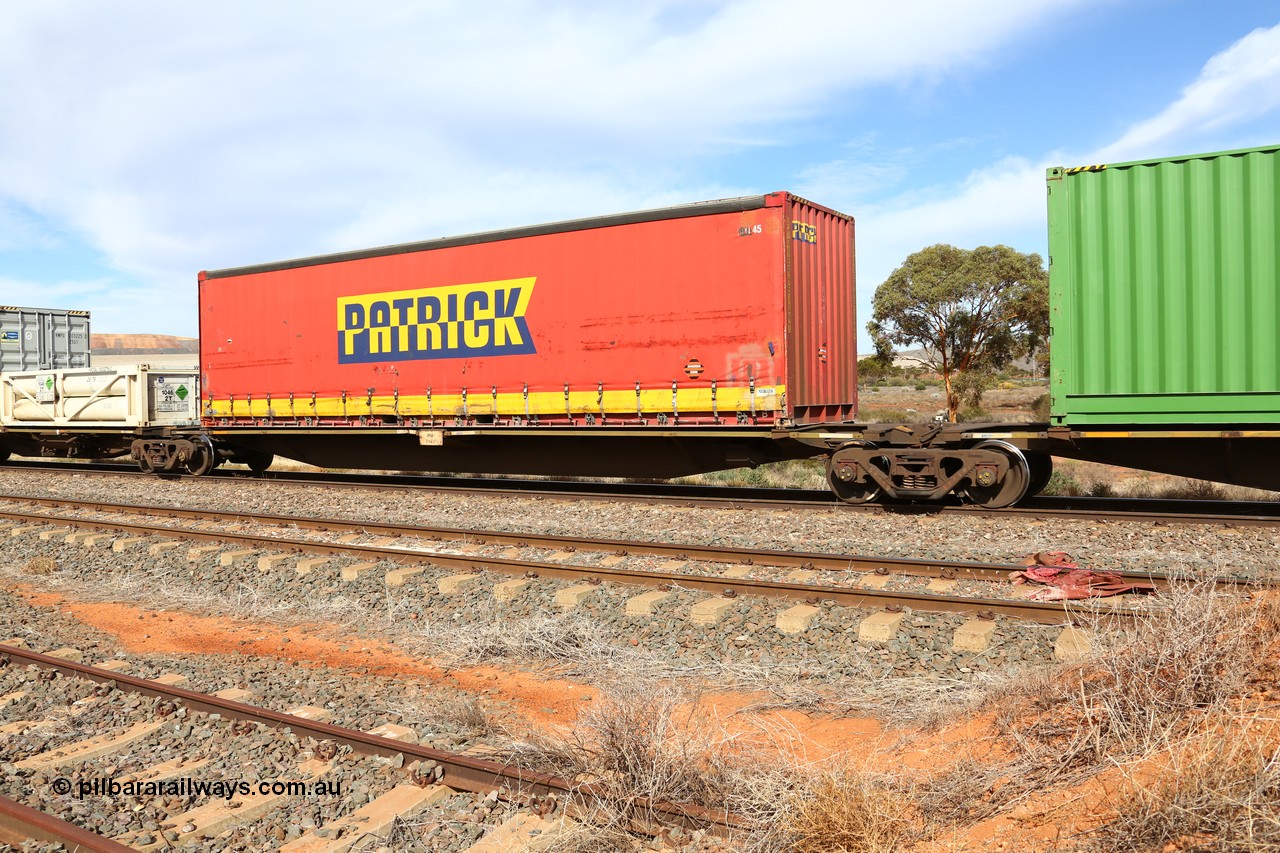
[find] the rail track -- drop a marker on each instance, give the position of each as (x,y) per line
(1241,513)
(807,579)
(842,579)
(425,775)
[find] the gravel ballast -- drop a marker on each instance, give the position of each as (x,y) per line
(1133,546)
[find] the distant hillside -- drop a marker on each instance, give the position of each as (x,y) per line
(143,345)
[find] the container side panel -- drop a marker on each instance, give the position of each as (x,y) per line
(43,339)
(822,324)
(559,324)
(1164,285)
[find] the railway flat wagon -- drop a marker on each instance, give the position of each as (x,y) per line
(102,412)
(1165,300)
(657,343)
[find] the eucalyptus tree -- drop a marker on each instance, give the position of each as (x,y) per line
(969,309)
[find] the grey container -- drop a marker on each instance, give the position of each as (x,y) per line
(43,339)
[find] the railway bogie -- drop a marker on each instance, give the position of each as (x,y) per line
(936,462)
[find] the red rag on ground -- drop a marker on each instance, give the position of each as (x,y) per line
(1047,567)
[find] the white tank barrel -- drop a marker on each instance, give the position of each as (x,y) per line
(73,385)
(75,409)
(27,410)
(88,384)
(30,385)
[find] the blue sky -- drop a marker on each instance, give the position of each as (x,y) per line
(141,142)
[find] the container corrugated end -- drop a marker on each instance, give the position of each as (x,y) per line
(822,314)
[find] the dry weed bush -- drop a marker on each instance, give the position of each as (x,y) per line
(1217,791)
(641,744)
(851,812)
(967,791)
(431,714)
(1146,682)
(40,566)
(644,743)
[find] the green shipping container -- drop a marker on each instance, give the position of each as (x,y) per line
(1164,281)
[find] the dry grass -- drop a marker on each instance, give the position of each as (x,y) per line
(851,812)
(923,702)
(1074,478)
(1146,682)
(430,714)
(793,474)
(1218,791)
(642,743)
(40,566)
(967,791)
(1146,685)
(569,642)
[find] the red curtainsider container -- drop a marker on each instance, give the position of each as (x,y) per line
(729,312)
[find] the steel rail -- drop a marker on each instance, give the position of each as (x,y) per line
(1049,613)
(805,560)
(463,772)
(19,822)
(1146,510)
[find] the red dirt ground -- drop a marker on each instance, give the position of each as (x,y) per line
(540,701)
(1046,821)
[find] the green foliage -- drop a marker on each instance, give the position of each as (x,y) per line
(970,385)
(874,368)
(1102,489)
(971,310)
(1062,485)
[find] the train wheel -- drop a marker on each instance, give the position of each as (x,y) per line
(145,466)
(1008,491)
(203,459)
(4,455)
(850,491)
(1041,465)
(258,461)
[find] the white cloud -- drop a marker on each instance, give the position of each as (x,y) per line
(65,294)
(1237,85)
(1004,202)
(1000,204)
(21,229)
(178,136)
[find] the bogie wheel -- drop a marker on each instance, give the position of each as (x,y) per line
(1041,465)
(4,455)
(850,491)
(145,466)
(1008,491)
(258,461)
(203,459)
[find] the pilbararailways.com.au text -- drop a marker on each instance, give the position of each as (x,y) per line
(186,786)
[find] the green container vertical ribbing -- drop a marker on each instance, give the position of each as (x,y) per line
(1164,280)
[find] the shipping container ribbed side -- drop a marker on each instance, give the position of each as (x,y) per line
(1165,291)
(43,339)
(734,312)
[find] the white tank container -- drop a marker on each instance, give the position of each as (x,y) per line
(125,397)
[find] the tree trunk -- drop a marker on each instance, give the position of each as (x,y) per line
(953,401)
